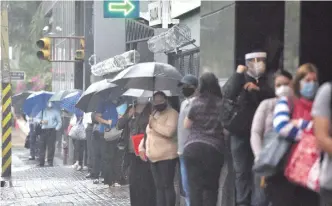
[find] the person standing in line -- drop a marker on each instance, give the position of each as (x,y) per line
(160,148)
(189,85)
(261,126)
(291,118)
(322,115)
(50,119)
(204,149)
(32,138)
(107,117)
(88,124)
(141,184)
(243,92)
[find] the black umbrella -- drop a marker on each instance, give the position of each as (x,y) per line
(151,76)
(18,101)
(96,93)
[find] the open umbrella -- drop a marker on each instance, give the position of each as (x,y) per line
(151,76)
(143,93)
(89,100)
(36,102)
(57,96)
(69,101)
(18,101)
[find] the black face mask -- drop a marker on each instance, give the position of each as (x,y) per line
(187,91)
(160,107)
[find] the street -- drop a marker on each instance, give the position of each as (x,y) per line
(58,185)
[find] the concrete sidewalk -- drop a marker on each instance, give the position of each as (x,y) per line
(58,185)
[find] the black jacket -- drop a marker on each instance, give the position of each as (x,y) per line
(247,101)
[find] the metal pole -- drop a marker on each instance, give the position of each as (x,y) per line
(6,122)
(165,13)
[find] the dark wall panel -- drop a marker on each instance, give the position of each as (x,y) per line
(260,25)
(316,34)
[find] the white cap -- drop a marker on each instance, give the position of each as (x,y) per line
(255,55)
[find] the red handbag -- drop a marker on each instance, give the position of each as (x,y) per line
(136,141)
(303,166)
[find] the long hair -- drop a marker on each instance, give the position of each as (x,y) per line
(208,84)
(301,72)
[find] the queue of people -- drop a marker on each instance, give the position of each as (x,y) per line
(155,137)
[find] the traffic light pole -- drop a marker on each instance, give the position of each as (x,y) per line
(6,121)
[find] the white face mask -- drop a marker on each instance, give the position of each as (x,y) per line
(256,69)
(49,105)
(283,91)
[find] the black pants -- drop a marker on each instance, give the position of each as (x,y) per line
(96,154)
(47,141)
(325,197)
(111,162)
(89,145)
(163,173)
(203,164)
(281,192)
(80,151)
(141,184)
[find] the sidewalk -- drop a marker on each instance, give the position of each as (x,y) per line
(58,185)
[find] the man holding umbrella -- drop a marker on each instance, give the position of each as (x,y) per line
(50,120)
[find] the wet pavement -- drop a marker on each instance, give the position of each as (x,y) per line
(58,185)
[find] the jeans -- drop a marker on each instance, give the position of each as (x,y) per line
(184,179)
(242,162)
(80,151)
(258,197)
(47,140)
(89,145)
(163,173)
(203,169)
(96,155)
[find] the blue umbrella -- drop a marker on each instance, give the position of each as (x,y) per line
(69,101)
(36,102)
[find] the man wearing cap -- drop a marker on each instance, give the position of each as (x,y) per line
(188,84)
(243,92)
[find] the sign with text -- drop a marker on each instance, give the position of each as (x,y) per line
(154,13)
(17,75)
(121,8)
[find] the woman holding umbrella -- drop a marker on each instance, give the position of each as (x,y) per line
(133,123)
(160,148)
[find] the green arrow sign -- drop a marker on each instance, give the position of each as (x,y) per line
(126,7)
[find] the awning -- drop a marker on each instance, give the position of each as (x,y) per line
(116,63)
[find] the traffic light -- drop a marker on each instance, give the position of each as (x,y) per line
(44,45)
(79,54)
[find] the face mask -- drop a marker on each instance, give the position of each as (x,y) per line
(309,89)
(257,69)
(49,105)
(187,92)
(283,91)
(160,107)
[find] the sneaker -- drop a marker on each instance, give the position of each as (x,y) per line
(74,166)
(96,181)
(85,168)
(116,185)
(32,158)
(79,168)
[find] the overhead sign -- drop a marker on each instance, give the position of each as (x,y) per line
(154,13)
(17,75)
(121,9)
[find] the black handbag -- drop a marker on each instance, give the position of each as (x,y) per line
(27,142)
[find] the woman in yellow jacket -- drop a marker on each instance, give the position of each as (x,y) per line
(160,148)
